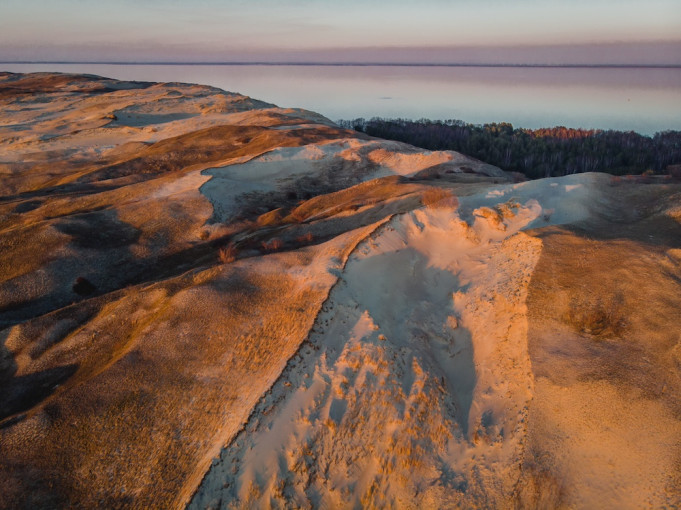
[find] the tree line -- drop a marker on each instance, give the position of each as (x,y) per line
(536,153)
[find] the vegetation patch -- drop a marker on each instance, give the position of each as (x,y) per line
(599,317)
(227,254)
(434,198)
(536,153)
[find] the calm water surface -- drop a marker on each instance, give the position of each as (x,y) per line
(643,100)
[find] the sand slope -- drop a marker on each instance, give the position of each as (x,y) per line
(207,300)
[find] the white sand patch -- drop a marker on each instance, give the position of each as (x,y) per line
(408,163)
(554,201)
(295,126)
(310,152)
(413,388)
(403,159)
(268,172)
(352,153)
(345,160)
(273,171)
(189,183)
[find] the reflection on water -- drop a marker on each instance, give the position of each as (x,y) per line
(640,99)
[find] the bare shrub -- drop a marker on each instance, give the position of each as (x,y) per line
(274,244)
(598,318)
(646,177)
(438,197)
(228,253)
(675,172)
(83,286)
(305,238)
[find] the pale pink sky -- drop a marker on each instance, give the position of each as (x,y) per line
(428,31)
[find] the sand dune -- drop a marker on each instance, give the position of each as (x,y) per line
(207,300)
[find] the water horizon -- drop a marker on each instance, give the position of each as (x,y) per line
(641,98)
(339,64)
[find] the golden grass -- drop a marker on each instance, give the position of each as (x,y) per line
(270,218)
(227,254)
(435,198)
(597,317)
(352,198)
(274,244)
(603,320)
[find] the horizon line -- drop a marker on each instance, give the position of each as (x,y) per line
(343,64)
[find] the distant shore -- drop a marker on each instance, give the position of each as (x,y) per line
(536,153)
(642,99)
(350,64)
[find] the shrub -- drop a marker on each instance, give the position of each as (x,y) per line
(305,238)
(83,286)
(597,317)
(272,245)
(227,254)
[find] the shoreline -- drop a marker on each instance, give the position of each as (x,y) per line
(350,64)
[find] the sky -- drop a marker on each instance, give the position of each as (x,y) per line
(387,31)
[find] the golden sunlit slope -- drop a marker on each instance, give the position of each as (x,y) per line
(209,300)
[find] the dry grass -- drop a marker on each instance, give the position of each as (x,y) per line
(435,198)
(166,372)
(538,489)
(270,218)
(351,199)
(603,315)
(274,244)
(132,399)
(305,238)
(228,254)
(186,388)
(598,317)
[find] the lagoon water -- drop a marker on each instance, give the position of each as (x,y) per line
(646,100)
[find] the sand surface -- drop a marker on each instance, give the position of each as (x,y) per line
(209,301)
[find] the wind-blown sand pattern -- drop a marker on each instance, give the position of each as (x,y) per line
(207,300)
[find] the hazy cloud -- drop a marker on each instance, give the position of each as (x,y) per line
(307,29)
